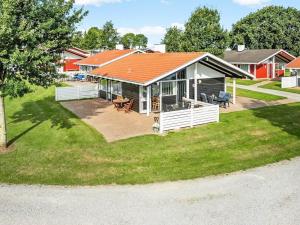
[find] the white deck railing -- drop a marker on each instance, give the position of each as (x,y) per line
(76,93)
(205,113)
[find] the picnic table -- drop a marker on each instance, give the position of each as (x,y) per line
(119,103)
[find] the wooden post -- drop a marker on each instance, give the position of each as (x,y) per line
(192,114)
(161,123)
(225,85)
(148,100)
(195,83)
(274,68)
(187,88)
(255,68)
(160,97)
(3,134)
(234,91)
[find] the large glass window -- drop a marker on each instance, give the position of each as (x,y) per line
(103,85)
(168,88)
(245,67)
(116,88)
(171,77)
(181,75)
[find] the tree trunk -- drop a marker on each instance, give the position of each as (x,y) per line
(3,138)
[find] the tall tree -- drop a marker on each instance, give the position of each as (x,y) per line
(173,39)
(77,40)
(203,32)
(273,27)
(92,38)
(140,41)
(33,33)
(110,36)
(128,40)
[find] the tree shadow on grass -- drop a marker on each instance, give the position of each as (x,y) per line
(39,111)
(286,117)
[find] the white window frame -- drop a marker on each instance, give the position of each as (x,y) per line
(171,90)
(116,88)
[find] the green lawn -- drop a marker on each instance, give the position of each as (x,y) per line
(276,85)
(255,95)
(244,81)
(52,146)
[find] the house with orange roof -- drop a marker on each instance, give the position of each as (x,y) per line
(160,81)
(104,58)
(294,66)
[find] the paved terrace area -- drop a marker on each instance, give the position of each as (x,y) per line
(114,125)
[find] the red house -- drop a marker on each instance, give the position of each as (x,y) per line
(70,57)
(262,63)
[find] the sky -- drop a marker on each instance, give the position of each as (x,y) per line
(152,17)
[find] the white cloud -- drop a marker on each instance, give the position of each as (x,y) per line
(251,2)
(97,2)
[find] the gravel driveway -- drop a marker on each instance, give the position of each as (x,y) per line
(264,196)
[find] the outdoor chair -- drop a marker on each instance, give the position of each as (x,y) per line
(119,97)
(211,100)
(224,99)
(155,103)
(203,97)
(222,94)
(128,107)
(116,105)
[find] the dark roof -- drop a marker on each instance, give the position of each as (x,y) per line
(255,56)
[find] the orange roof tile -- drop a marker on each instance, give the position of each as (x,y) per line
(104,57)
(295,64)
(142,68)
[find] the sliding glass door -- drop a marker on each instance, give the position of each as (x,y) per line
(143,99)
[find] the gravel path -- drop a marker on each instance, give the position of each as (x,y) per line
(263,196)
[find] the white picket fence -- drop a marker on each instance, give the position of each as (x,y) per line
(76,93)
(289,82)
(206,113)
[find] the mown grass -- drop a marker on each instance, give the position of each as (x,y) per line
(255,95)
(276,85)
(245,81)
(52,146)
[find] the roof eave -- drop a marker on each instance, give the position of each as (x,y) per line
(194,61)
(111,61)
(281,50)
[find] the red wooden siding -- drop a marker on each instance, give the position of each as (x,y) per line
(262,71)
(70,66)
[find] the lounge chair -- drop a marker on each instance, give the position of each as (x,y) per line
(224,98)
(212,100)
(203,97)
